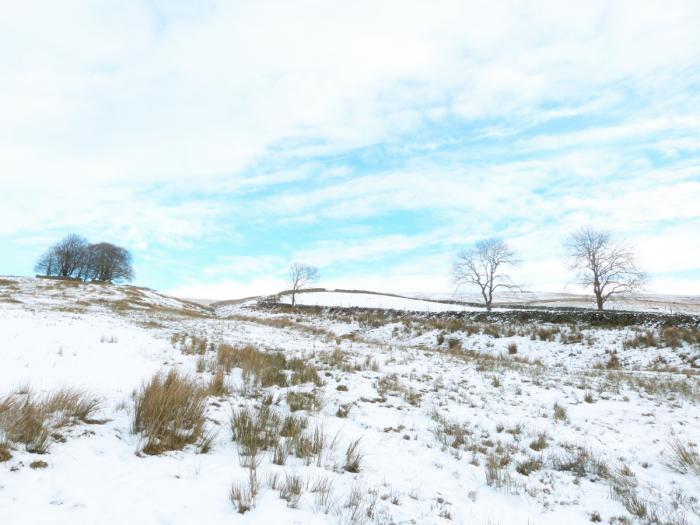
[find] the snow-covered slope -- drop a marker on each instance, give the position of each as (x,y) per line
(457,422)
(372,300)
(637,302)
(70,295)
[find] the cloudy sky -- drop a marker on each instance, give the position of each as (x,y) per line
(220,141)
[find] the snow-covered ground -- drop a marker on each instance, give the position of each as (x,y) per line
(371,300)
(636,302)
(457,422)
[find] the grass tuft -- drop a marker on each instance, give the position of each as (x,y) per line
(30,420)
(353,457)
(684,457)
(169,411)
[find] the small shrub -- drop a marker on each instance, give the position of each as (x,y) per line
(560,412)
(242,495)
(540,442)
(322,488)
(528,466)
(267,368)
(454,345)
(613,363)
(169,411)
(191,345)
(308,445)
(684,457)
(545,334)
(580,462)
(217,384)
(293,425)
(496,469)
(280,454)
(353,457)
(30,420)
(644,340)
(343,410)
(492,330)
(5,454)
(512,348)
(291,490)
(255,430)
(310,401)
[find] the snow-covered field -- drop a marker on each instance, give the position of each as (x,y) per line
(422,302)
(457,421)
(370,300)
(636,302)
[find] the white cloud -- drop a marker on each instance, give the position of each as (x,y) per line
(163,123)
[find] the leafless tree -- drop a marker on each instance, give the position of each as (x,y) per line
(106,262)
(47,263)
(64,258)
(483,266)
(301,276)
(604,263)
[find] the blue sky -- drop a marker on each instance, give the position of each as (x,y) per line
(372,139)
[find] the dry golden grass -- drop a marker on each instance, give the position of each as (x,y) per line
(353,457)
(217,384)
(266,368)
(242,495)
(309,401)
(5,454)
(190,344)
(169,411)
(255,430)
(30,420)
(684,456)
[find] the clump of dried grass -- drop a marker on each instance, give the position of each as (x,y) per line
(684,456)
(169,411)
(267,368)
(255,430)
(29,419)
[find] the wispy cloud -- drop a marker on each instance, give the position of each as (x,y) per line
(223,140)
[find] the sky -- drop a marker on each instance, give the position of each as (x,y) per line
(220,141)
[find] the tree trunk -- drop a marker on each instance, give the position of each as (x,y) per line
(599,301)
(293,298)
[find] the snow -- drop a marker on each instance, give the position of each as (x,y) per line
(369,300)
(636,302)
(58,334)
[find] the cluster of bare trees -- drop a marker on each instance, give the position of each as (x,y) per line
(600,261)
(75,257)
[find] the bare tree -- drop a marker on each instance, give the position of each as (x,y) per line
(64,258)
(106,262)
(47,264)
(483,266)
(300,276)
(604,263)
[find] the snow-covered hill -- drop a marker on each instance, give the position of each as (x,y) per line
(421,302)
(374,300)
(367,416)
